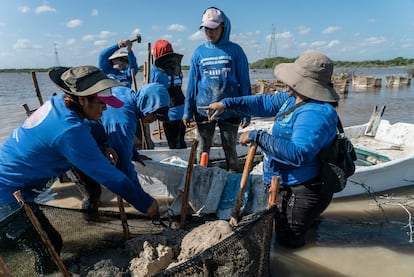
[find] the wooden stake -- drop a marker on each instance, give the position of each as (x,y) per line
(189,173)
(43,235)
(4,271)
(234,220)
(39,95)
(268,228)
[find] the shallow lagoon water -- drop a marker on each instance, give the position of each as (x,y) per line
(355,237)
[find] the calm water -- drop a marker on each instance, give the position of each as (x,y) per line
(355,236)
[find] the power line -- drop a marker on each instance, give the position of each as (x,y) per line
(272,43)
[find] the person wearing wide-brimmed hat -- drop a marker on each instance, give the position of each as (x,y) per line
(218,69)
(167,71)
(117,62)
(54,139)
(306,123)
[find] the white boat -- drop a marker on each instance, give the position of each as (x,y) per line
(385,161)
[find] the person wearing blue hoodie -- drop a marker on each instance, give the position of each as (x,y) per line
(52,140)
(149,103)
(306,122)
(218,69)
(117,63)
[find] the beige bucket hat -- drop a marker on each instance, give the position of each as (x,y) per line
(118,54)
(310,75)
(84,81)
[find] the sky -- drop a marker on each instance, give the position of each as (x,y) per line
(46,33)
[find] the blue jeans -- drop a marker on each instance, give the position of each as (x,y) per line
(228,133)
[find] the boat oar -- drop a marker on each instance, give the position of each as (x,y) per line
(234,220)
(43,235)
(189,173)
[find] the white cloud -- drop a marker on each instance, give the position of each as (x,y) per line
(73,23)
(374,40)
(284,35)
(25,44)
(45,8)
(88,37)
(331,29)
(100,42)
(176,27)
(71,41)
(23,9)
(333,43)
(103,35)
(304,30)
(94,12)
(199,35)
(318,43)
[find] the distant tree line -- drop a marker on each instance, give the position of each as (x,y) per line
(269,63)
(399,61)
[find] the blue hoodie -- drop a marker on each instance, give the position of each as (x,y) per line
(291,150)
(123,76)
(50,142)
(120,124)
(217,70)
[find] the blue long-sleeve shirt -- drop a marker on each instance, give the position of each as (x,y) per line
(217,70)
(291,150)
(124,76)
(120,124)
(50,142)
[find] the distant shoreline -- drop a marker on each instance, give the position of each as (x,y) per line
(272,62)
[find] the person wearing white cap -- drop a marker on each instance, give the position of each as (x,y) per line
(218,69)
(305,123)
(51,141)
(117,63)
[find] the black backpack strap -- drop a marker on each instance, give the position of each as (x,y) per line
(340,127)
(291,109)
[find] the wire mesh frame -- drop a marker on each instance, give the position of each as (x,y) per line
(217,256)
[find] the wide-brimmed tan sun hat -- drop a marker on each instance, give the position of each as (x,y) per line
(84,81)
(310,75)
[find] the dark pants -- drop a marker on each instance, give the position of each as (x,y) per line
(91,192)
(143,136)
(299,207)
(175,132)
(228,133)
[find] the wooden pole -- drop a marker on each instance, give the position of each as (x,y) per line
(267,233)
(4,271)
(134,80)
(234,220)
(36,85)
(43,235)
(189,173)
(123,217)
(148,63)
